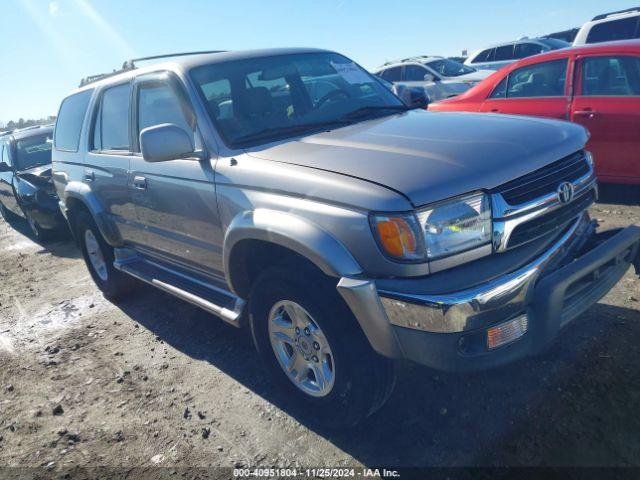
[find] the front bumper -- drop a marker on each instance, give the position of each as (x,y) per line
(449,332)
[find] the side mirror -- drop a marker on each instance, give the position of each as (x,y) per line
(164,142)
(428,77)
(4,167)
(414,97)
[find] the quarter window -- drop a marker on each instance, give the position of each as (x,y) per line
(111,129)
(501,89)
(611,76)
(70,119)
(546,79)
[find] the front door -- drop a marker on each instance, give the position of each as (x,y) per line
(175,200)
(608,105)
(539,89)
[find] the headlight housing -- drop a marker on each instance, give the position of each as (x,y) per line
(437,231)
(456,225)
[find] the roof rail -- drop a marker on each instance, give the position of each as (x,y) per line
(131,65)
(619,12)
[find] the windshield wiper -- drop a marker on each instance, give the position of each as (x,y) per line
(289,130)
(359,112)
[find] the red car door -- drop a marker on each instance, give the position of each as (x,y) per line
(607,103)
(539,89)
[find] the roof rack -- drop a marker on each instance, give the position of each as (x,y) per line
(131,64)
(619,12)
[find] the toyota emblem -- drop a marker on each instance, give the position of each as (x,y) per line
(565,192)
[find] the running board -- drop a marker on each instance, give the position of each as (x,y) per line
(214,300)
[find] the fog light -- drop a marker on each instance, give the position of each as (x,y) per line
(507,332)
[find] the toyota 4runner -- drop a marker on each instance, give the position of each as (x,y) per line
(289,191)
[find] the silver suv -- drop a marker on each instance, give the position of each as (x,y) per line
(289,192)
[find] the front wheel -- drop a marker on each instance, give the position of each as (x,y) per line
(314,348)
(98,256)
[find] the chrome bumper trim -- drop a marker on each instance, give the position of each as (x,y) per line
(461,311)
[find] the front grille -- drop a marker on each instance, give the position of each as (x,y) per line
(550,222)
(544,180)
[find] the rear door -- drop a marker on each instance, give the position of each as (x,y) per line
(175,200)
(540,89)
(607,103)
(106,168)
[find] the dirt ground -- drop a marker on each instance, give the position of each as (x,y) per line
(153,382)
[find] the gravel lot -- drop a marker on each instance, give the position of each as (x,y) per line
(154,381)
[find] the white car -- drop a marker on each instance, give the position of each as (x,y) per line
(497,56)
(440,77)
(610,26)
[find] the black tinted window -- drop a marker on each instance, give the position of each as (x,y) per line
(485,56)
(545,79)
(392,74)
(113,119)
(622,29)
(70,118)
(504,53)
(611,76)
(524,50)
(414,73)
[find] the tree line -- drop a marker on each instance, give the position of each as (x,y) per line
(22,123)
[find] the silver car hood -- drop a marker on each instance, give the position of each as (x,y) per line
(431,156)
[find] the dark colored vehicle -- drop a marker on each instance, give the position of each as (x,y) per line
(26,189)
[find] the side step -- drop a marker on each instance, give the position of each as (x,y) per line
(197,292)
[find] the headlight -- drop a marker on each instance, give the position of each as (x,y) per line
(456,225)
(399,236)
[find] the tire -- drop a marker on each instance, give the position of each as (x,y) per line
(114,284)
(357,381)
(39,234)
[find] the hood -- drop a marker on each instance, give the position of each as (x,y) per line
(429,157)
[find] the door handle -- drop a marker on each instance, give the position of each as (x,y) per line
(587,112)
(495,110)
(90,176)
(139,183)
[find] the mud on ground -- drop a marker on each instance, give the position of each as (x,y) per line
(153,381)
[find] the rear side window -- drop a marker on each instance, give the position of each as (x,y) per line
(484,56)
(611,76)
(111,128)
(524,50)
(622,29)
(392,74)
(414,73)
(70,118)
(504,53)
(546,79)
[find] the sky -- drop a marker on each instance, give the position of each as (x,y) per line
(48,46)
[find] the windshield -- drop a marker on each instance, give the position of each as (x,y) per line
(33,151)
(278,96)
(449,68)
